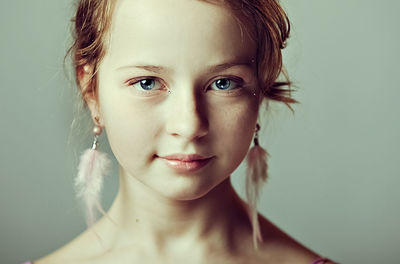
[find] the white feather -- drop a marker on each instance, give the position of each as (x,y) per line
(256,175)
(89,181)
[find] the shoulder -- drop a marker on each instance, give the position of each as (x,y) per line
(79,250)
(279,247)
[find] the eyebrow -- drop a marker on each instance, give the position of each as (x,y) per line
(224,66)
(213,68)
(150,68)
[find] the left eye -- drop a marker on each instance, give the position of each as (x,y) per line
(224,84)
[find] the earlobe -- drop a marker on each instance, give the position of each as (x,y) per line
(94,107)
(94,111)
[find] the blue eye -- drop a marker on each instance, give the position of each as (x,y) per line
(148,84)
(224,84)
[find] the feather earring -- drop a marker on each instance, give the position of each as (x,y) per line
(256,175)
(89,180)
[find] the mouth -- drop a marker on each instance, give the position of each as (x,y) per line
(184,163)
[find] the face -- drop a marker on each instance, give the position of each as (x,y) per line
(177,78)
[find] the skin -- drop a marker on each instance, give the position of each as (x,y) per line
(160,215)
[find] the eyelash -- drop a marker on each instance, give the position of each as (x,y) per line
(238,81)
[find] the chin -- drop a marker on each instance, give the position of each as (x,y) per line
(184,190)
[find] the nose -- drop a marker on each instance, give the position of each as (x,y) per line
(187,117)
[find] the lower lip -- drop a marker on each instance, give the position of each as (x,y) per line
(186,166)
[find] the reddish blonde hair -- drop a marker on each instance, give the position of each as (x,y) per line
(265,20)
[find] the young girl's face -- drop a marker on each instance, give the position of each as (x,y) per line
(178,78)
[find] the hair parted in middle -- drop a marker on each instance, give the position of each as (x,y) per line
(265,21)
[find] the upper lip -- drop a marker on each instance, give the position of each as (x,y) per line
(185,157)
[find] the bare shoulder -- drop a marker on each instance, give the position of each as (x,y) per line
(279,247)
(76,251)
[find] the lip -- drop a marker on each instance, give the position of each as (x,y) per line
(184,163)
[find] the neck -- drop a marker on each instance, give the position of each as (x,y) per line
(217,219)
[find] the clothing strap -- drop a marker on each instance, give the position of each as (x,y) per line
(321,261)
(317,261)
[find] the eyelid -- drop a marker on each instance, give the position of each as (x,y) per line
(138,79)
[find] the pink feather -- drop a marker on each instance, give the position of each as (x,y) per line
(256,175)
(89,181)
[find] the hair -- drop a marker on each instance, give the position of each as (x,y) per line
(264,19)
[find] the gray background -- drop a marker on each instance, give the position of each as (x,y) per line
(334,164)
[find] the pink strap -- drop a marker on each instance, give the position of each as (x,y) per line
(320,261)
(317,261)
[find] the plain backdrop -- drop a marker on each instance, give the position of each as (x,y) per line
(334,165)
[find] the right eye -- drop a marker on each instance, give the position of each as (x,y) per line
(146,84)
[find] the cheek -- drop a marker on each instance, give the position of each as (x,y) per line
(130,131)
(234,130)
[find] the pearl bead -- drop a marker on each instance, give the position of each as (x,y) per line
(86,68)
(97,130)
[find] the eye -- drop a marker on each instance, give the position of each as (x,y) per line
(225,84)
(147,84)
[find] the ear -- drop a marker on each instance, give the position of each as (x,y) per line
(89,92)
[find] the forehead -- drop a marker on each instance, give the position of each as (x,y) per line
(176,31)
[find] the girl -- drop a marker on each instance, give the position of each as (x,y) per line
(177,85)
